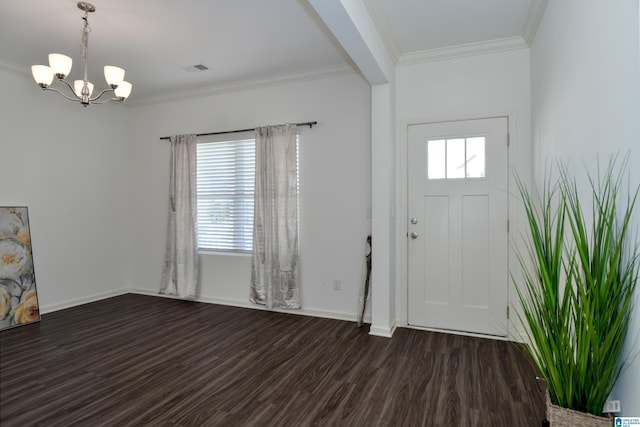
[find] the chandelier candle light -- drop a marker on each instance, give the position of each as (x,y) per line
(60,66)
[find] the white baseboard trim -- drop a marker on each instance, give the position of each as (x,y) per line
(463,333)
(313,312)
(383,331)
(519,336)
(85,300)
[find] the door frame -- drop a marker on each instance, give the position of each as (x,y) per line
(401,218)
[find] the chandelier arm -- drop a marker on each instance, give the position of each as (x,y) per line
(97,97)
(61,93)
(104,101)
(73,91)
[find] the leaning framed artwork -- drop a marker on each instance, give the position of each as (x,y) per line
(18,296)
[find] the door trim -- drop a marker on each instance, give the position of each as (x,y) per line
(401,250)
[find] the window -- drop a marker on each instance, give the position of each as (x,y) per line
(456,158)
(225,187)
(225,190)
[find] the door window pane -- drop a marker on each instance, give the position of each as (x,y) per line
(475,157)
(436,156)
(455,158)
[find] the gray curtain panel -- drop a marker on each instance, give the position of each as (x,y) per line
(274,272)
(180,272)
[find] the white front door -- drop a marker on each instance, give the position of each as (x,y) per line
(458,225)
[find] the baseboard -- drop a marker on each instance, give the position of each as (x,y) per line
(85,300)
(337,315)
(383,331)
(518,335)
(462,333)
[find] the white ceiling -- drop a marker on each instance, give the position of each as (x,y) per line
(241,41)
(418,25)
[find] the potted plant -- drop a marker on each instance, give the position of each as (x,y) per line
(579,275)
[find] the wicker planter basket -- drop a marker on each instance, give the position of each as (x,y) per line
(563,417)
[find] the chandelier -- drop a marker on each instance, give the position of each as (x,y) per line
(81,90)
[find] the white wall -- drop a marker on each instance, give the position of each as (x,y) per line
(585,78)
(69,165)
(335,186)
(468,87)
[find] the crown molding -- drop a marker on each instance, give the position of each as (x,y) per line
(14,68)
(536,12)
(239,86)
(467,49)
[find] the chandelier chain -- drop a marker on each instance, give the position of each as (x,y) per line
(85,40)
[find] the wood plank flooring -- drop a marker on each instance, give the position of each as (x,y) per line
(137,360)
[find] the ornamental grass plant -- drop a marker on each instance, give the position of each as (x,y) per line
(579,275)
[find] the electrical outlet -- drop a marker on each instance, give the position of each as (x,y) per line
(337,284)
(611,406)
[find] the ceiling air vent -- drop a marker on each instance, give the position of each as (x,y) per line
(197,67)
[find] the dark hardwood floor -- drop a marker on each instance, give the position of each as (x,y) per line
(139,360)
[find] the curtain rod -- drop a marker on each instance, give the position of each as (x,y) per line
(310,124)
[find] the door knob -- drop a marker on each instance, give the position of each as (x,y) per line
(414,235)
(414,221)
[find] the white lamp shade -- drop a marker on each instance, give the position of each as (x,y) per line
(42,74)
(123,90)
(60,64)
(113,75)
(77,87)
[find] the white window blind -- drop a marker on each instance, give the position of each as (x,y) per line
(225,191)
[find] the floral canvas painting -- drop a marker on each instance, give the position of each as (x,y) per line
(18,297)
